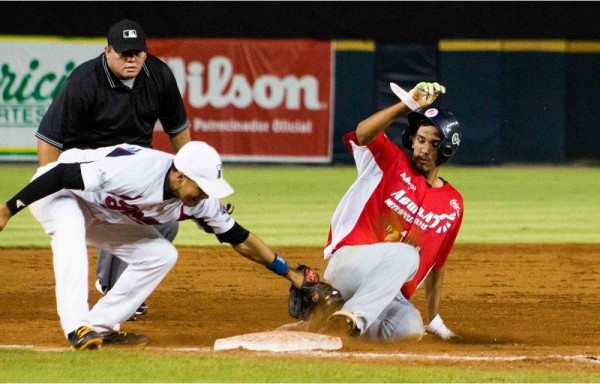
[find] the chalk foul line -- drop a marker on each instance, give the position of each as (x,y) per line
(588,359)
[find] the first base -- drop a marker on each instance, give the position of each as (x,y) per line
(279,341)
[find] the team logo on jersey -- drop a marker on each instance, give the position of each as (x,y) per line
(132,211)
(408,182)
(412,213)
(454,204)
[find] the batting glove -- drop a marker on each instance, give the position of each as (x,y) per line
(438,328)
(422,95)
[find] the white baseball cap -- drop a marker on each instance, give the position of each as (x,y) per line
(201,163)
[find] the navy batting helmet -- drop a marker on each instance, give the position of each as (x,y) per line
(444,121)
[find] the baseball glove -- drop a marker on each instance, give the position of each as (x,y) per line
(314,296)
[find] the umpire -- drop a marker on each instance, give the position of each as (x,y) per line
(115,98)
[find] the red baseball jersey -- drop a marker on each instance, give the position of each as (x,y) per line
(391,201)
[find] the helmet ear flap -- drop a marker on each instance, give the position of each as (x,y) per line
(445,151)
(407,137)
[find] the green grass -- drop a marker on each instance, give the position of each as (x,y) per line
(145,366)
(292,205)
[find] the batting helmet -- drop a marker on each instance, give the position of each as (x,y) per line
(444,121)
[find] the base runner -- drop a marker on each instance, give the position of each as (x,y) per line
(397,223)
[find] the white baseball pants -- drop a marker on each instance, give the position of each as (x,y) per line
(71,225)
(370,277)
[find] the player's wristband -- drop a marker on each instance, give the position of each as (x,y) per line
(405,97)
(436,323)
(279,265)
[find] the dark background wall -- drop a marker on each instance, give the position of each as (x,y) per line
(385,22)
(537,107)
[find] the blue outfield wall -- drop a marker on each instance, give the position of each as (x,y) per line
(518,101)
(582,96)
(474,82)
(532,128)
(405,65)
(355,91)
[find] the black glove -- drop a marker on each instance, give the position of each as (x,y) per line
(314,294)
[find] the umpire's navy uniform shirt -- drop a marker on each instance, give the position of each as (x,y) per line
(95,109)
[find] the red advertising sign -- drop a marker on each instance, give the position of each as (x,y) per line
(254,100)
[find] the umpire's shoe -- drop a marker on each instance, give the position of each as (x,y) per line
(124,339)
(141,311)
(342,323)
(84,338)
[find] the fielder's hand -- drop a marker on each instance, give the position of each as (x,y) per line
(313,294)
(422,95)
(439,329)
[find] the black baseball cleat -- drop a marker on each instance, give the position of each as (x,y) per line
(342,323)
(142,310)
(124,339)
(84,338)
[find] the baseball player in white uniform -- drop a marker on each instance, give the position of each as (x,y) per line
(122,191)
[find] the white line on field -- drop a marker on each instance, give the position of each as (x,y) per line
(415,356)
(358,355)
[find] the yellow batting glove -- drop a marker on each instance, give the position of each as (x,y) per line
(425,93)
(422,95)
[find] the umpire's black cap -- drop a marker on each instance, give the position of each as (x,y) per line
(127,35)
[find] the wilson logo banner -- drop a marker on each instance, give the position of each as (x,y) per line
(254,100)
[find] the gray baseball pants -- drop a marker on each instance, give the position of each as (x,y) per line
(370,277)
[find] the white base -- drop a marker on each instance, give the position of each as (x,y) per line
(279,341)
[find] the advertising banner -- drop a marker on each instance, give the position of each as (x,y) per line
(254,100)
(32,71)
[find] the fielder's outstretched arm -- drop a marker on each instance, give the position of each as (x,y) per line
(63,176)
(255,249)
(308,290)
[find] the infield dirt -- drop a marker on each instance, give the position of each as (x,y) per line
(532,301)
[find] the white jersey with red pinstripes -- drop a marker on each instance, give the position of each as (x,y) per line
(391,201)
